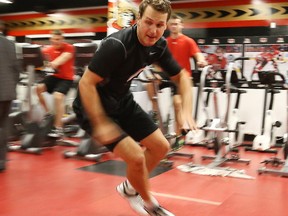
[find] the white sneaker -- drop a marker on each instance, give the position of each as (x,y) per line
(135,200)
(158,211)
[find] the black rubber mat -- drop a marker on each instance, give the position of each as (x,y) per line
(113,167)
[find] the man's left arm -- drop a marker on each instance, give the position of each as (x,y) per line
(196,53)
(60,60)
(200,59)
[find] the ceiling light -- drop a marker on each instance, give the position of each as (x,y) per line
(6,1)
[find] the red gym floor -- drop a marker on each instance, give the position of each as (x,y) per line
(49,185)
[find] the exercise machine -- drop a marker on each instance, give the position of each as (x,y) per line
(163,109)
(218,126)
(235,131)
(34,137)
(267,139)
(201,137)
(279,166)
(87,148)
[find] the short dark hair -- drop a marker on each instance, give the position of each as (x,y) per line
(175,16)
(163,6)
(57,32)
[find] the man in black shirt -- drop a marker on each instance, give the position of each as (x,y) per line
(105,107)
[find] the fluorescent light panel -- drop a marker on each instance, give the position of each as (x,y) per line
(6,1)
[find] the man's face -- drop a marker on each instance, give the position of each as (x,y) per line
(56,41)
(175,26)
(151,26)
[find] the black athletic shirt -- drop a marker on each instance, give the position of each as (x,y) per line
(121,57)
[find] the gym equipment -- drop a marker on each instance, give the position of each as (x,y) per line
(165,125)
(16,121)
(201,137)
(217,127)
(279,166)
(266,140)
(35,136)
(87,148)
(235,125)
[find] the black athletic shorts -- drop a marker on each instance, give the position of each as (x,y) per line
(125,112)
(54,84)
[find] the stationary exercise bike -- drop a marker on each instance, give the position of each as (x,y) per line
(34,138)
(235,131)
(200,137)
(165,122)
(218,126)
(279,166)
(267,139)
(87,149)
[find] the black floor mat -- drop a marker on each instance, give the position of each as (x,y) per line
(113,167)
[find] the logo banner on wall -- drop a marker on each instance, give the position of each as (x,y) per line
(121,14)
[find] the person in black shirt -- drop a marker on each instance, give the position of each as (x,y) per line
(105,108)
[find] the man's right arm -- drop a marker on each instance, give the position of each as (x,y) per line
(103,128)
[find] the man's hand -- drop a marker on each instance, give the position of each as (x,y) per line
(189,123)
(202,63)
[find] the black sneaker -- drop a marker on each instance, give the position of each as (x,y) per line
(158,211)
(179,143)
(154,116)
(56,132)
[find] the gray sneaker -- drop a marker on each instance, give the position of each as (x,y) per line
(135,200)
(56,132)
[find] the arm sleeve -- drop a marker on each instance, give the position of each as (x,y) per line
(193,47)
(69,48)
(108,57)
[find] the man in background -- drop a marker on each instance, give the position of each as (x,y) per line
(9,76)
(182,48)
(60,57)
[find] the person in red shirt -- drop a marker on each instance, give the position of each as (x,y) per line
(182,48)
(217,59)
(60,57)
